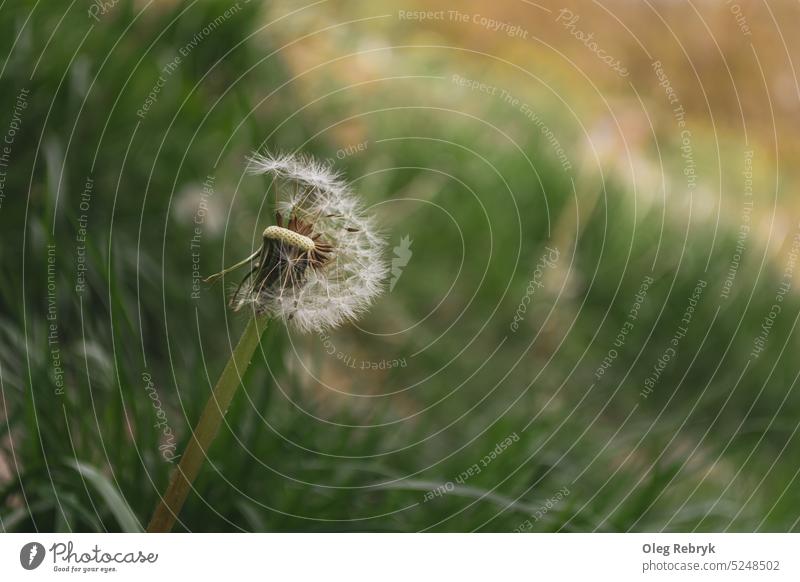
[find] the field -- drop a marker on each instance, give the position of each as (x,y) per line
(590,323)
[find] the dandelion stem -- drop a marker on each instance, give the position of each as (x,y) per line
(213,278)
(207,428)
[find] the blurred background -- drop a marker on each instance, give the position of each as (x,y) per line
(593,232)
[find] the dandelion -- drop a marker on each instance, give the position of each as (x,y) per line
(319,266)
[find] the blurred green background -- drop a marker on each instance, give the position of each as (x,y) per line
(130,123)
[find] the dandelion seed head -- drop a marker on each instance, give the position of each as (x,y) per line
(317,288)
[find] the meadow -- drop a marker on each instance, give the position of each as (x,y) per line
(559,347)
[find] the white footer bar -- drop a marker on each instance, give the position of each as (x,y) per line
(400,557)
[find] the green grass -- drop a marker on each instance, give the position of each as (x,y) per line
(297,456)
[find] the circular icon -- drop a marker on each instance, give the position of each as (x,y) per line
(31,555)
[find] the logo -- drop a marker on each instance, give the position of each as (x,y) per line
(402,254)
(31,555)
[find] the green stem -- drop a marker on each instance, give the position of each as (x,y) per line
(207,428)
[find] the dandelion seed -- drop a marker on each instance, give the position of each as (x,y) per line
(321,264)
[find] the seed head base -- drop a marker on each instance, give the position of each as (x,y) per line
(290,237)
